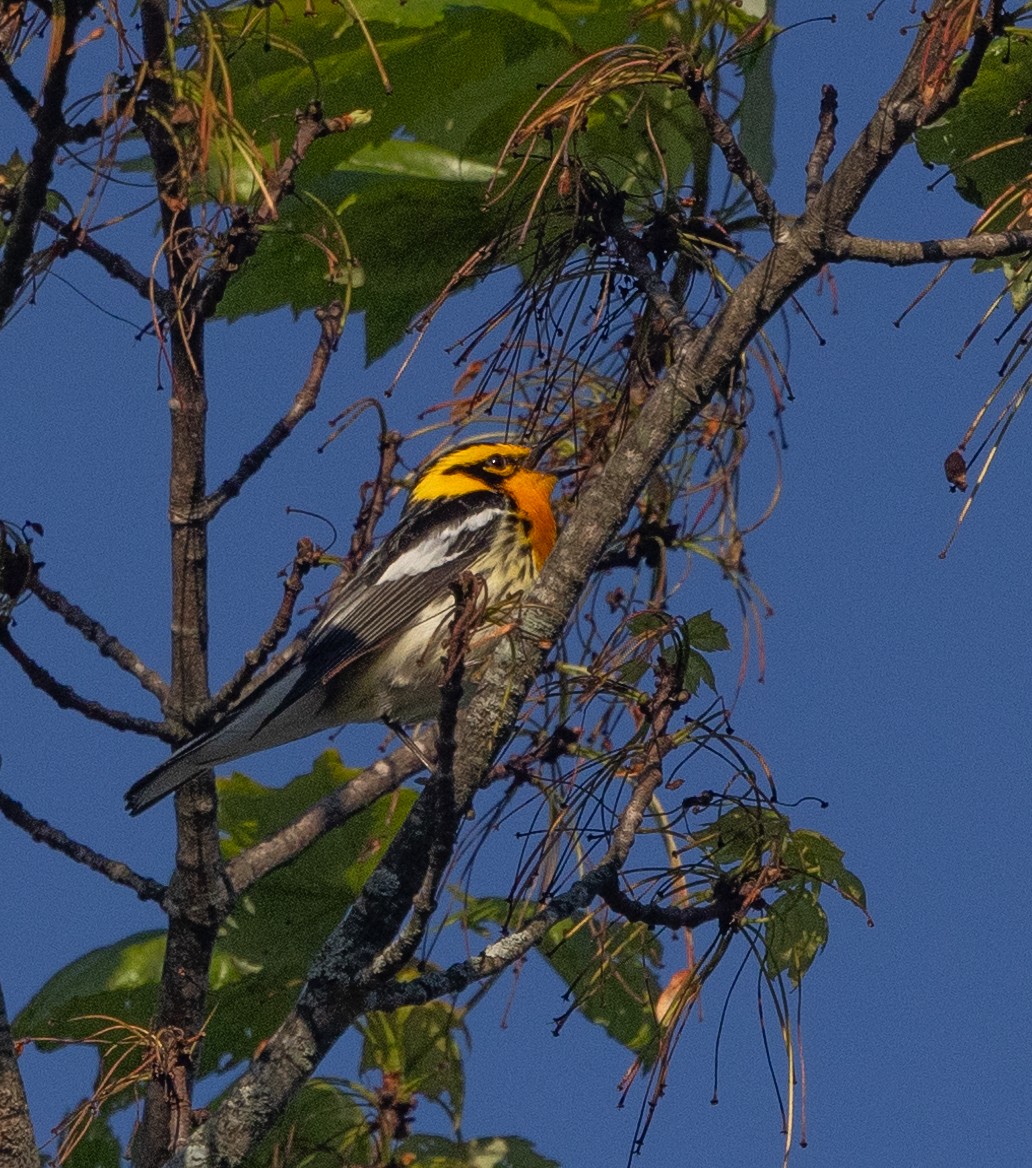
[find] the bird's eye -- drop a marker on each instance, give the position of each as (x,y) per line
(499,462)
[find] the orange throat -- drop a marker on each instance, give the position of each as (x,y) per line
(532,493)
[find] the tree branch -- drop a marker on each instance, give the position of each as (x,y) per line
(470,607)
(17,1139)
(114,870)
(985,245)
(76,238)
(385,775)
(96,634)
(306,557)
(724,139)
(373,502)
(49,123)
(197,898)
(824,143)
(331,320)
(23,96)
(636,258)
(243,237)
(68,699)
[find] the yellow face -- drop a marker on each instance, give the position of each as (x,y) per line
(476,467)
(500,467)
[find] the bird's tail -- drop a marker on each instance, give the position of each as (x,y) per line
(265,718)
(186,763)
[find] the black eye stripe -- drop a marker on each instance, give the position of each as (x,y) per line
(481,470)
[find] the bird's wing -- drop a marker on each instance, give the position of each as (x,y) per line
(421,558)
(415,565)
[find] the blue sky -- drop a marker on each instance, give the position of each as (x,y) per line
(896,682)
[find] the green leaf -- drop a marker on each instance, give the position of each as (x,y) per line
(115,981)
(796,929)
(99,1148)
(697,670)
(745,835)
(992,112)
(402,159)
(419,1046)
(409,183)
(264,948)
(322,1127)
(612,968)
(489,1152)
(411,180)
(816,856)
(706,634)
(276,929)
(649,622)
(755,115)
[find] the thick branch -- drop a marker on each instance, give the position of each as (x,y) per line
(17,1139)
(32,191)
(197,897)
(986,245)
(331,321)
(113,870)
(96,634)
(68,699)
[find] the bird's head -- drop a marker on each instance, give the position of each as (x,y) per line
(503,468)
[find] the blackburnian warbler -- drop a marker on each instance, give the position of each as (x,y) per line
(375,651)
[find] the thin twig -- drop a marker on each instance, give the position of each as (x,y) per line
(331,320)
(665,915)
(824,144)
(470,606)
(23,96)
(374,496)
(96,634)
(384,776)
(724,139)
(634,255)
(241,241)
(81,132)
(76,238)
(502,954)
(45,833)
(306,557)
(374,501)
(68,699)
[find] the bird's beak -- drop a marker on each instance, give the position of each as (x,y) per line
(539,451)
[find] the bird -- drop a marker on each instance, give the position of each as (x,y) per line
(374,653)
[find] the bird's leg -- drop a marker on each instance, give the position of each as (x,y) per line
(410,742)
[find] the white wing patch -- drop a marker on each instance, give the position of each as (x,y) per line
(443,546)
